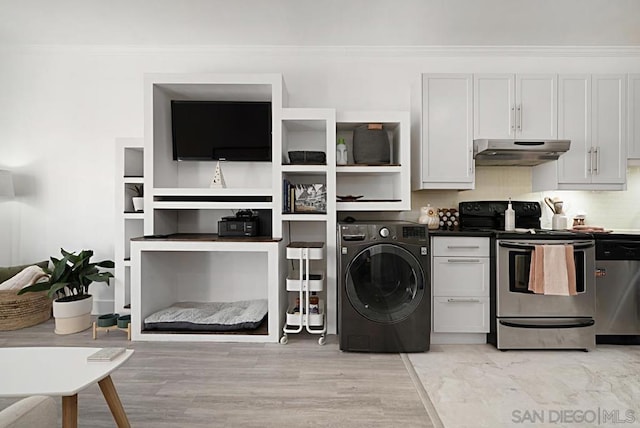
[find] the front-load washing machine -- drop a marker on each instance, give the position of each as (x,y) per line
(384,302)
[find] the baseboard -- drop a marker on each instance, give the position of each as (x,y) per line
(458,338)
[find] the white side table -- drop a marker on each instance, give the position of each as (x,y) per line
(60,371)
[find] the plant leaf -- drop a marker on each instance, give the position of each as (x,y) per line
(106,264)
(38,286)
(100,277)
(56,288)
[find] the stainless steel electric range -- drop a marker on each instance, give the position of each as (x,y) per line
(521,319)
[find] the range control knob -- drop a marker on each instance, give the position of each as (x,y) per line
(384,232)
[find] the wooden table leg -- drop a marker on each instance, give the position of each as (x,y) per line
(70,411)
(111,396)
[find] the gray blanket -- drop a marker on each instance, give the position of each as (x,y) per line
(209,316)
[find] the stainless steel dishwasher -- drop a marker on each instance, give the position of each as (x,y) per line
(618,290)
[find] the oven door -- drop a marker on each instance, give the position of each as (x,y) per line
(512,282)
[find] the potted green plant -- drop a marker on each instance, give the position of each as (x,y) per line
(137,199)
(68,285)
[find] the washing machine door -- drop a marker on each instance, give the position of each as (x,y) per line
(385,283)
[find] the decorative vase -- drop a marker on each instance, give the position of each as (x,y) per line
(72,317)
(429,216)
(138,203)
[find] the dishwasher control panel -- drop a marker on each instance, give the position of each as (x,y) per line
(617,250)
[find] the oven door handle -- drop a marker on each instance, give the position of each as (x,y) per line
(585,323)
(578,245)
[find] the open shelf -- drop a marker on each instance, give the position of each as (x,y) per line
(382,187)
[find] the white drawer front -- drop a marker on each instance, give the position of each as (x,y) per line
(461,314)
(460,276)
(460,246)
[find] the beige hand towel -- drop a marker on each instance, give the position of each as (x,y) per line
(556,281)
(536,270)
(571,270)
(553,270)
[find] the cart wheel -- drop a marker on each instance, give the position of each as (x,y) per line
(321,341)
(284,340)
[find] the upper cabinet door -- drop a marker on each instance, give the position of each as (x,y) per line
(515,106)
(609,128)
(574,123)
(447,131)
(536,106)
(494,106)
(634,117)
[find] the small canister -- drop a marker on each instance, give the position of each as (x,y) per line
(314,304)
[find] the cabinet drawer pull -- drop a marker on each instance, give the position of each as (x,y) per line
(463,300)
(454,247)
(463,260)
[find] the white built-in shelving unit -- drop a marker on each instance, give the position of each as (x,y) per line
(381,187)
(129,223)
(314,130)
(178,200)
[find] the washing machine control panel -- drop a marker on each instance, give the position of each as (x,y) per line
(369,232)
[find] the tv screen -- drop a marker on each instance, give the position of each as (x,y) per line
(221,130)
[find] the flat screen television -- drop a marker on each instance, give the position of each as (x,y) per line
(221,130)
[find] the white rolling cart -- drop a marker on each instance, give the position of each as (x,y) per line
(306,284)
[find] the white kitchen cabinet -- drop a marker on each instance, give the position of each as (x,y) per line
(446,143)
(460,314)
(592,114)
(609,129)
(522,106)
(574,123)
(634,117)
(460,278)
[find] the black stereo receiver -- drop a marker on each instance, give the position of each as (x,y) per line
(242,224)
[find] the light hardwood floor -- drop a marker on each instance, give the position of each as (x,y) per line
(246,385)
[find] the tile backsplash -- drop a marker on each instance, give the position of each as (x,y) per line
(609,209)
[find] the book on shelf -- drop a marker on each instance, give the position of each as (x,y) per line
(304,198)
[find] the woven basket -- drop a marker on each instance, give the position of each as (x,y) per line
(22,311)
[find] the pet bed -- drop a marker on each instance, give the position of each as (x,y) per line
(209,316)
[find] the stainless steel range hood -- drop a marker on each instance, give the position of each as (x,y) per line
(518,152)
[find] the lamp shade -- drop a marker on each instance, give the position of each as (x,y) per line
(6,184)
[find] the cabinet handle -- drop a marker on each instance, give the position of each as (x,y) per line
(512,118)
(453,247)
(463,300)
(463,260)
(596,151)
(519,118)
(590,168)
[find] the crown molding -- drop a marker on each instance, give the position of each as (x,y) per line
(386,51)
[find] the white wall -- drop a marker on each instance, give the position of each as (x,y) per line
(318,23)
(62,108)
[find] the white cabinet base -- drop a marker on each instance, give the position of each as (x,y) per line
(458,338)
